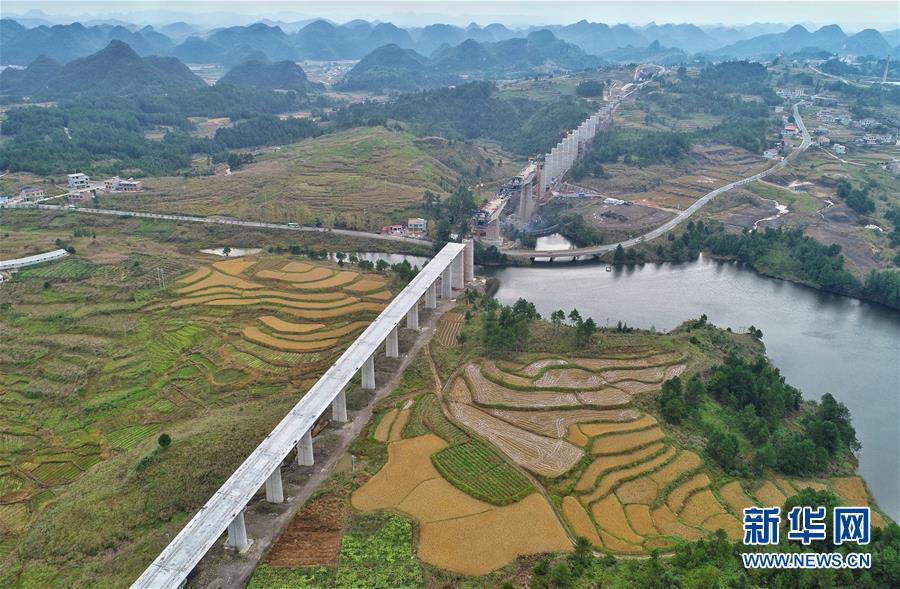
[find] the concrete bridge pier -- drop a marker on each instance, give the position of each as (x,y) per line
(368,373)
(431,296)
(392,344)
(470,260)
(237,534)
(339,407)
(274,490)
(412,317)
(446,288)
(305,455)
(459,272)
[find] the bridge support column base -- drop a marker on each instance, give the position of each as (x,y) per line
(274,490)
(237,534)
(339,408)
(412,317)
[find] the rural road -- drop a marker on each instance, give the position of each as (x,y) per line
(678,219)
(223,221)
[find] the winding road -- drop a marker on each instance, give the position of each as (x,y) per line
(678,219)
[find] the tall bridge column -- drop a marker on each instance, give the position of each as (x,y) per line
(458,271)
(470,260)
(274,490)
(237,533)
(412,317)
(392,344)
(431,296)
(339,407)
(368,373)
(446,289)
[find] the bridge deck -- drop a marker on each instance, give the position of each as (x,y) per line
(173,565)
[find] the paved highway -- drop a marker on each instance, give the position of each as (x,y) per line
(677,220)
(222,221)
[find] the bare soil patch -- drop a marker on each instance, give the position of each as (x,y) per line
(313,538)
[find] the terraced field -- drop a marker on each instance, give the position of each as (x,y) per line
(102,360)
(616,476)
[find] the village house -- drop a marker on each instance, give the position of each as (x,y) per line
(79,181)
(417,226)
(31,193)
(839,149)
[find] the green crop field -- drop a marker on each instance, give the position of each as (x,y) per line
(476,469)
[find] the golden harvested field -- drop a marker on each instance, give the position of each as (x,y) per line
(732,526)
(680,494)
(640,490)
(699,507)
(623,442)
(666,522)
(598,429)
(610,481)
(383,430)
(640,519)
(686,462)
(244,282)
(851,489)
(602,464)
(579,520)
(610,517)
(399,424)
(608,397)
(734,496)
(769,494)
(452,523)
(521,529)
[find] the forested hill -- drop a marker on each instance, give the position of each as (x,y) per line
(115,70)
(394,68)
(281,75)
(473,111)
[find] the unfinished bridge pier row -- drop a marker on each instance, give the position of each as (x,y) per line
(452,267)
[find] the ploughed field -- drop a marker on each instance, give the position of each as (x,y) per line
(104,357)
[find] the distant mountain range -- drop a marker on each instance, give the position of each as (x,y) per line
(392,67)
(324,40)
(118,70)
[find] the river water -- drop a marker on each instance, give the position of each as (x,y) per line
(820,342)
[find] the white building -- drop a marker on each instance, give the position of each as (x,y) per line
(417,225)
(839,149)
(79,181)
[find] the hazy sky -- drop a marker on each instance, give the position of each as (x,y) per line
(851,15)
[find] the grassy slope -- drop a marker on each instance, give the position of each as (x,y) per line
(356,176)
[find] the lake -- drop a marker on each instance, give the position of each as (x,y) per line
(820,342)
